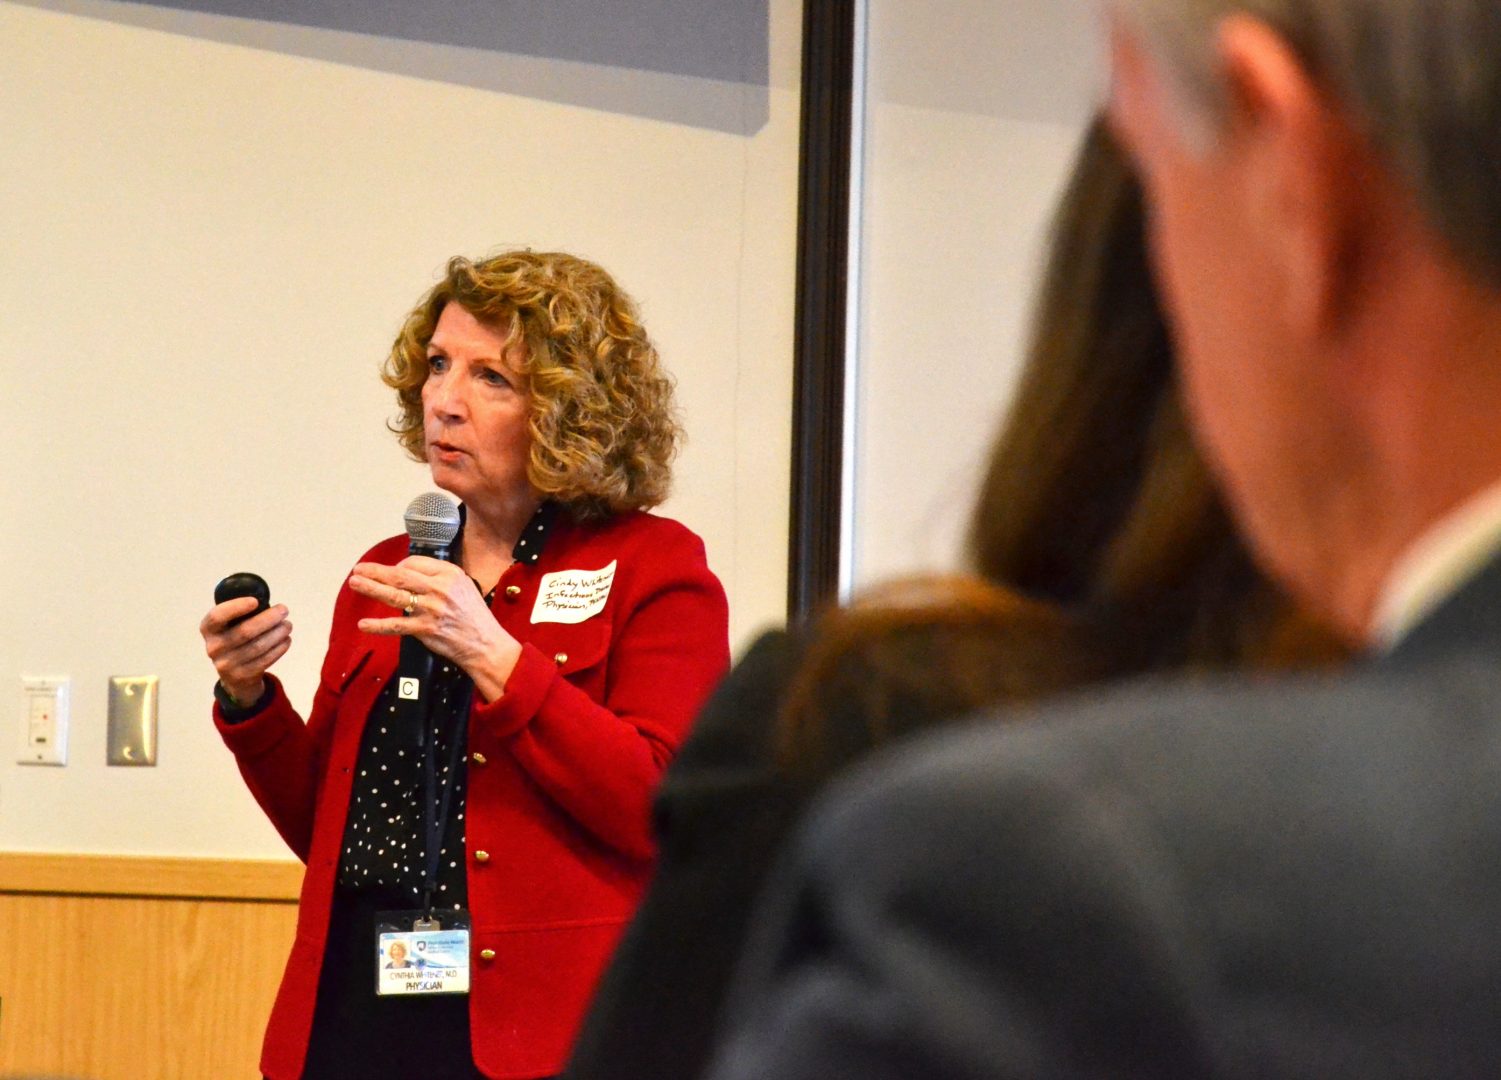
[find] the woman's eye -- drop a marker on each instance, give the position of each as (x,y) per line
(494,378)
(437,363)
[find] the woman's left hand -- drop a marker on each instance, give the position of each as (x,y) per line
(440,606)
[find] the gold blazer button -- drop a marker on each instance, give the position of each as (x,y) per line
(487,954)
(560,659)
(478,758)
(481,856)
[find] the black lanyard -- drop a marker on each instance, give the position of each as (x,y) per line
(434,822)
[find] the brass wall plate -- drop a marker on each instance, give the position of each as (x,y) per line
(132,720)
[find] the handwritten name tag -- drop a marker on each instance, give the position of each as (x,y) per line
(571,596)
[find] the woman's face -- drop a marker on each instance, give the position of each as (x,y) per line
(398,952)
(474,411)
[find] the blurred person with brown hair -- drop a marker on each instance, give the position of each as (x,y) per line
(575,637)
(1099,549)
(1286,876)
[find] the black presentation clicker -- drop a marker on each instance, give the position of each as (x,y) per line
(244,584)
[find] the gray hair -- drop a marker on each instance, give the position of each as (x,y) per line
(1421,78)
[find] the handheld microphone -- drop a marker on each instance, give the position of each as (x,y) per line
(432,523)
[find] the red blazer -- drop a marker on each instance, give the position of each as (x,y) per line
(562,769)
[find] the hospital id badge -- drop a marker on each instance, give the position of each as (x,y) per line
(418,953)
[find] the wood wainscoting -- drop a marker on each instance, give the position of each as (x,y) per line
(117,968)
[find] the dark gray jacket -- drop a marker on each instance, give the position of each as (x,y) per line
(1290,877)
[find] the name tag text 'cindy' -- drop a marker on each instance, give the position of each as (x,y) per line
(571,596)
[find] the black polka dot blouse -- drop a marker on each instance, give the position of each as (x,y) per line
(384,848)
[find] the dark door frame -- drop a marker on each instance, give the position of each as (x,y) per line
(823,230)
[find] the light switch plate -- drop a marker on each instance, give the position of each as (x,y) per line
(44,720)
(132,720)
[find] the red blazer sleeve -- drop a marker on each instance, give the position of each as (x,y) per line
(282,758)
(278,759)
(601,761)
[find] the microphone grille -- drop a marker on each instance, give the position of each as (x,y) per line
(432,518)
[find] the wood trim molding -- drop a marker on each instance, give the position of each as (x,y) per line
(64,874)
(823,223)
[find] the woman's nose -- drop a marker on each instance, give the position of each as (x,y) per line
(447,397)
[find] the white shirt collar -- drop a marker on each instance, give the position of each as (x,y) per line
(1435,566)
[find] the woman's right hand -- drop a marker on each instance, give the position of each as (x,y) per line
(243,653)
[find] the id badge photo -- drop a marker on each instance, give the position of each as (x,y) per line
(420,953)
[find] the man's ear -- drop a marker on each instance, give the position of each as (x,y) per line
(1127,84)
(1139,115)
(1294,146)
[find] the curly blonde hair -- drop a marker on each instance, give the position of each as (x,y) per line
(603,426)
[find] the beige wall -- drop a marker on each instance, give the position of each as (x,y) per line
(208,242)
(973,111)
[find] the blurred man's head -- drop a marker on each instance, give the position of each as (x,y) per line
(1419,78)
(1322,179)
